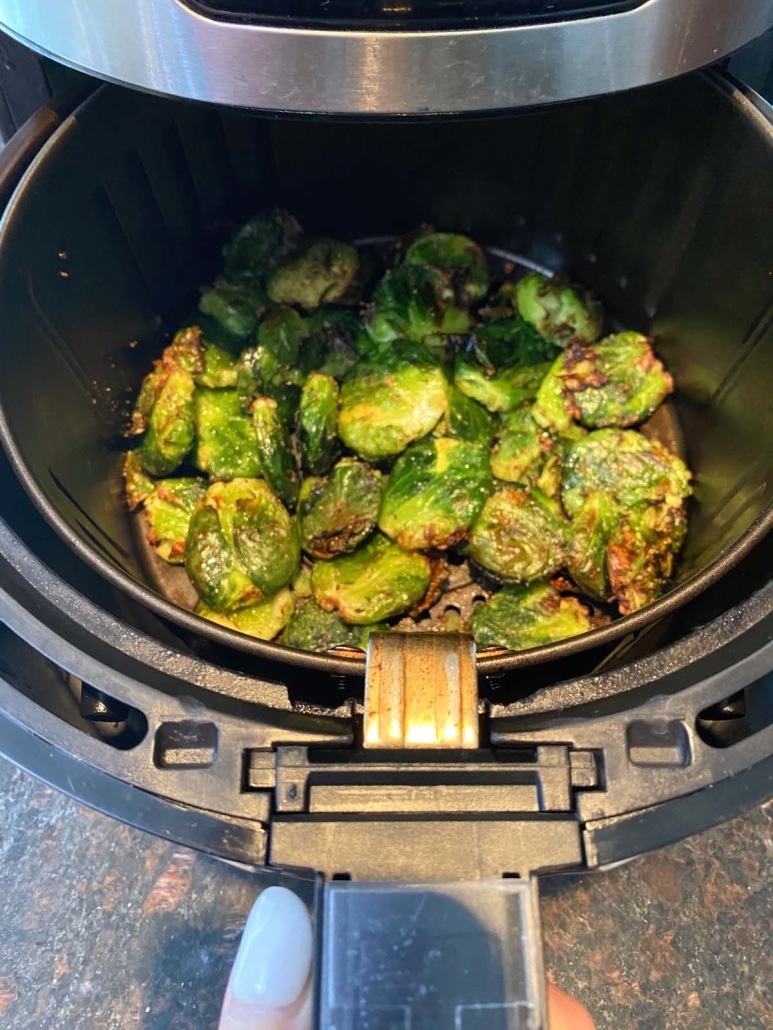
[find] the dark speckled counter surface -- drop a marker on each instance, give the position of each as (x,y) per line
(104,927)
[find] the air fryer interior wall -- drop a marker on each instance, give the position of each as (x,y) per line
(658,200)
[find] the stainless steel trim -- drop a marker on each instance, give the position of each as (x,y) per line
(165,47)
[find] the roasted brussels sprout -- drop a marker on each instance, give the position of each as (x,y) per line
(434,493)
(587,540)
(337,338)
(322,274)
(313,629)
(518,537)
(617,382)
(412,302)
(557,311)
(225,438)
(317,423)
(502,391)
(235,306)
(212,566)
(338,513)
(264,620)
(275,451)
(642,551)
(266,539)
(168,509)
(137,483)
(525,617)
(219,370)
(627,465)
(391,400)
(465,419)
(260,244)
(509,342)
(458,256)
(379,580)
(517,456)
(165,412)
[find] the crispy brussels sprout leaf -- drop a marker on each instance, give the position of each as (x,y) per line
(587,540)
(379,580)
(642,551)
(266,540)
(257,247)
(212,566)
(518,537)
(338,513)
(508,342)
(168,510)
(219,368)
(235,306)
(412,302)
(627,465)
(517,456)
(434,493)
(466,419)
(275,451)
(459,257)
(389,402)
(264,620)
(225,439)
(525,617)
(318,423)
(557,310)
(313,629)
(502,391)
(322,274)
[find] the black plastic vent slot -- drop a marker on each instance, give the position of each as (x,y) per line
(747,712)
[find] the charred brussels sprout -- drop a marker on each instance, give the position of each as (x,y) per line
(412,302)
(525,617)
(379,580)
(466,419)
(458,256)
(337,338)
(642,551)
(264,620)
(262,242)
(235,306)
(322,274)
(313,629)
(275,450)
(518,537)
(517,456)
(434,493)
(587,540)
(502,391)
(318,422)
(557,310)
(339,512)
(390,401)
(627,465)
(168,509)
(225,439)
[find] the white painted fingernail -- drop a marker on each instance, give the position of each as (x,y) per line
(275,953)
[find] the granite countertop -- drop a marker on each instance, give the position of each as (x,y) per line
(107,928)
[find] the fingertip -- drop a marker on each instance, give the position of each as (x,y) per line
(566,1012)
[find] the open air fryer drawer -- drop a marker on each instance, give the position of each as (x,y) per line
(587,755)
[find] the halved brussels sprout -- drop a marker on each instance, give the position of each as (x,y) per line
(412,302)
(266,539)
(390,401)
(627,465)
(275,451)
(507,342)
(525,617)
(338,513)
(587,540)
(642,551)
(313,629)
(337,338)
(264,620)
(434,493)
(235,306)
(557,310)
(212,566)
(219,369)
(458,256)
(137,483)
(260,243)
(322,274)
(225,438)
(519,452)
(518,537)
(502,391)
(168,509)
(465,419)
(379,580)
(317,423)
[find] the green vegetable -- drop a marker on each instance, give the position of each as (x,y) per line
(313,629)
(212,566)
(264,620)
(266,540)
(168,509)
(434,493)
(465,419)
(225,438)
(260,244)
(338,513)
(457,256)
(318,422)
(137,483)
(527,617)
(235,306)
(322,274)
(518,537)
(501,391)
(587,541)
(378,581)
(275,451)
(389,401)
(557,310)
(413,302)
(642,551)
(627,465)
(517,456)
(337,338)
(510,342)
(219,368)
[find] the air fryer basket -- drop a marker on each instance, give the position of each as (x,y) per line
(657,200)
